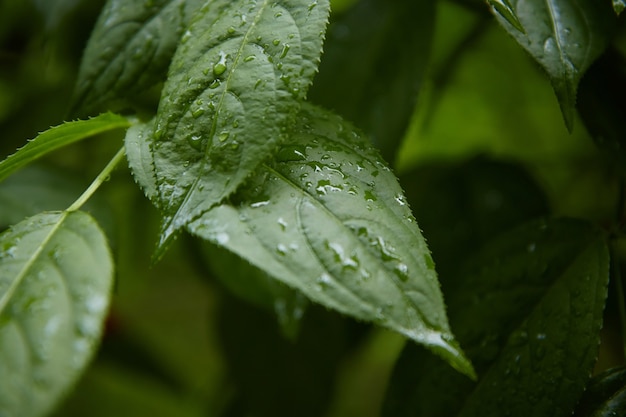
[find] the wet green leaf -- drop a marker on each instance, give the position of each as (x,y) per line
(605,395)
(56,274)
(527,309)
(565,37)
(58,137)
(139,156)
(618,6)
(130,49)
(232,91)
(504,8)
(374,61)
(329,219)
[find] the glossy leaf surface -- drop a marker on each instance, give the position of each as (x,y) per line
(130,49)
(528,310)
(59,136)
(565,37)
(329,219)
(232,90)
(56,274)
(374,39)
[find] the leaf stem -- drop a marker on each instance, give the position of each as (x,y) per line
(102,177)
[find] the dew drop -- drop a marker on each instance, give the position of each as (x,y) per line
(285,50)
(223,136)
(186,36)
(195,142)
(402,271)
(249,58)
(216,83)
(198,112)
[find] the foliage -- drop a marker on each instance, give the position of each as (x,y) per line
(296,161)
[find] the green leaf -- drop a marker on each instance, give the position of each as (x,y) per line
(565,37)
(54,11)
(137,143)
(504,8)
(618,6)
(329,219)
(229,98)
(374,62)
(55,280)
(130,49)
(528,310)
(58,137)
(605,395)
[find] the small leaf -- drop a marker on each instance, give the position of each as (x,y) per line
(528,310)
(58,137)
(230,95)
(565,37)
(504,8)
(605,395)
(618,6)
(55,280)
(140,160)
(374,62)
(130,49)
(329,219)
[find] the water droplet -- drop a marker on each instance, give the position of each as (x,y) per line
(230,30)
(369,196)
(216,83)
(249,58)
(276,42)
(278,14)
(281,249)
(312,6)
(258,204)
(222,238)
(323,281)
(223,136)
(195,142)
(285,50)
(430,264)
(531,247)
(198,112)
(282,223)
(402,271)
(220,67)
(186,36)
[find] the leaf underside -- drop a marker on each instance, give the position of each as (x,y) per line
(56,273)
(233,89)
(329,219)
(565,37)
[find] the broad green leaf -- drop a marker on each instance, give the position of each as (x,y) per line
(618,6)
(605,396)
(565,37)
(528,310)
(374,60)
(329,219)
(58,137)
(130,49)
(232,91)
(56,274)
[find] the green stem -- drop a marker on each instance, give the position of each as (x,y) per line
(102,177)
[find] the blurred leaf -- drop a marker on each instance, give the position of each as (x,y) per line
(54,11)
(565,37)
(460,206)
(130,50)
(242,72)
(618,6)
(528,310)
(374,60)
(601,102)
(275,377)
(255,286)
(330,220)
(58,137)
(56,273)
(605,395)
